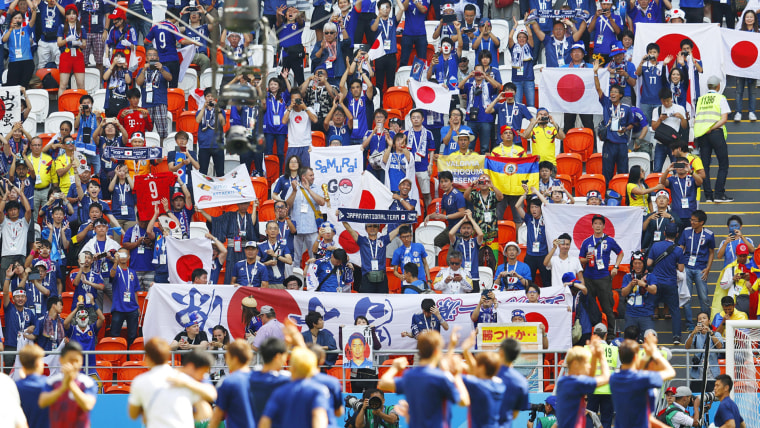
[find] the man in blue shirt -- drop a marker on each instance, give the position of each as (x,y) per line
(683,188)
(580,380)
(50,331)
(372,249)
(728,414)
(516,396)
(558,43)
(617,121)
(154,80)
(429,319)
(452,207)
(595,254)
(327,274)
(513,274)
(508,111)
(648,11)
(633,390)
(275,255)
(429,390)
(236,412)
(31,385)
(125,285)
(663,274)
(536,244)
(414,30)
(51,14)
(250,272)
(468,245)
(652,73)
(604,28)
(410,253)
(480,89)
(264,382)
(165,42)
(698,244)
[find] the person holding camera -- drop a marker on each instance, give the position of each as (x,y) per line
(210,120)
(484,197)
(703,332)
(86,122)
(119,79)
(453,279)
(19,44)
(299,118)
(673,118)
(616,124)
(542,132)
(683,187)
(102,247)
(82,329)
(372,411)
(513,274)
(154,80)
(639,295)
(480,89)
(676,415)
(124,287)
(549,418)
(728,248)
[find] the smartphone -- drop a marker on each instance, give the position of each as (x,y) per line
(448,19)
(679,165)
(484,292)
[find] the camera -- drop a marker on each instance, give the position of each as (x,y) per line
(684,53)
(538,408)
(85,106)
(191,9)
(299,101)
(473,114)
(543,119)
(481,182)
(710,396)
(524,181)
(353,403)
(650,58)
(679,165)
(211,103)
(122,61)
(152,64)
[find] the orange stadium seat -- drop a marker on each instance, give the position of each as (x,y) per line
(266,211)
(653,179)
(137,345)
(318,139)
(581,141)
(398,97)
(186,122)
(69,100)
(129,371)
(42,72)
(590,182)
(117,389)
(594,164)
(176,101)
(570,164)
(443,255)
(394,282)
(507,231)
(104,370)
(112,344)
(567,181)
(261,187)
(619,183)
(68,298)
(272,164)
(434,205)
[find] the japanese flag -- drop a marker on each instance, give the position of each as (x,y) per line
(572,90)
(740,53)
(186,255)
(430,96)
(377,50)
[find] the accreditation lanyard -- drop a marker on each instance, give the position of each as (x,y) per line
(242,228)
(559,49)
(275,105)
(124,278)
(598,250)
(386,28)
(373,251)
(691,247)
(251,275)
(514,110)
(467,252)
(123,192)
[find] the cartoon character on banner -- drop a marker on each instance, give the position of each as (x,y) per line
(378,315)
(450,308)
(357,351)
(208,306)
(315,305)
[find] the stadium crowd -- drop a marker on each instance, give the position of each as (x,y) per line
(77,255)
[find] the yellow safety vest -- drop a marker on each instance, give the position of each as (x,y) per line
(708,113)
(611,355)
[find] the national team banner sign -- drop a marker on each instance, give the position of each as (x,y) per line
(390,314)
(465,168)
(233,188)
(339,171)
(572,90)
(622,223)
(740,53)
(10,108)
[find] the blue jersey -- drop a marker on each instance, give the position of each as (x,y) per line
(263,385)
(640,303)
(469,249)
(414,19)
(29,390)
(571,406)
(51,19)
(276,107)
(192,34)
(155,90)
(430,393)
(165,41)
(420,146)
(251,275)
(88,338)
(615,117)
(125,286)
(16,321)
(343,132)
(387,30)
(446,68)
(621,79)
(536,236)
(372,252)
(512,115)
(239,411)
(515,397)
(683,191)
(336,396)
(510,282)
(453,145)
(557,51)
(284,411)
(451,203)
(20,44)
(480,102)
(696,247)
(331,282)
(727,410)
(600,249)
(604,36)
(652,78)
(638,389)
(274,273)
(141,257)
(485,398)
(415,253)
(83,289)
(358,107)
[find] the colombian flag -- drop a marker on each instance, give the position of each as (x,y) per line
(508,174)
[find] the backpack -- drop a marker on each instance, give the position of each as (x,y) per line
(667,415)
(48,82)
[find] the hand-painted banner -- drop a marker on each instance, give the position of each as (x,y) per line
(352,215)
(390,314)
(10,108)
(132,153)
(235,187)
(465,168)
(339,171)
(493,334)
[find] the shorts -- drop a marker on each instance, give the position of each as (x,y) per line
(71,64)
(319,17)
(160,116)
(423,180)
(95,46)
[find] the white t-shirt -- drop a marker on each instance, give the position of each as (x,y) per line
(14,236)
(671,121)
(560,267)
(10,403)
(164,406)
(299,128)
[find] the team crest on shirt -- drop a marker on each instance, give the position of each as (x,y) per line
(510,168)
(379,243)
(89,333)
(659,71)
(416,253)
(294,26)
(131,276)
(604,245)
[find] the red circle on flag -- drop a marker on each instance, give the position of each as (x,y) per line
(670,44)
(280,300)
(376,44)
(570,88)
(347,242)
(583,229)
(186,265)
(537,317)
(367,201)
(744,54)
(172,224)
(426,94)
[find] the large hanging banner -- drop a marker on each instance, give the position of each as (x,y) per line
(390,314)
(10,108)
(233,188)
(465,168)
(622,223)
(338,171)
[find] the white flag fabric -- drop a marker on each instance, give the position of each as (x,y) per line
(185,255)
(430,96)
(339,170)
(707,48)
(623,224)
(572,90)
(235,187)
(376,50)
(10,108)
(187,52)
(740,53)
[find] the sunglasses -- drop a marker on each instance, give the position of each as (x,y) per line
(455,263)
(330,32)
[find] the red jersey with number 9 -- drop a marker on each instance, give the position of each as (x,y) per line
(150,189)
